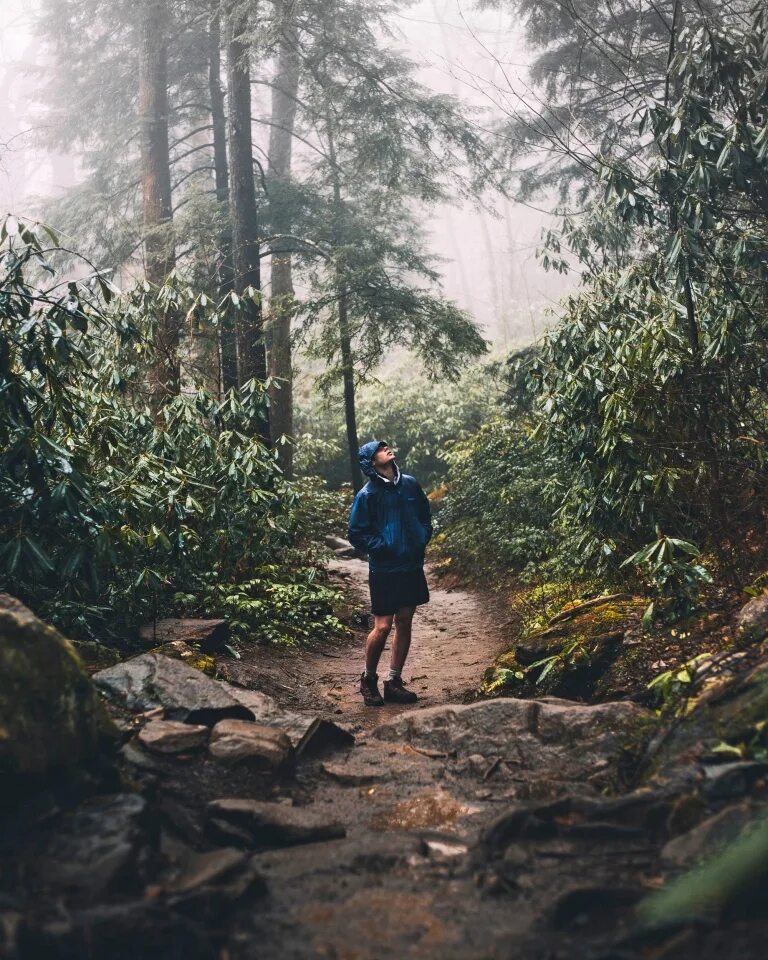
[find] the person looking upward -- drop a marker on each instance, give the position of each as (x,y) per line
(391,521)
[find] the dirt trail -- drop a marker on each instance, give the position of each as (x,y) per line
(422,787)
(455,637)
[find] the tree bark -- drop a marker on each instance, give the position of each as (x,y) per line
(251,353)
(281,305)
(227,335)
(156,183)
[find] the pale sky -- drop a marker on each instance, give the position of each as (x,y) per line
(490,266)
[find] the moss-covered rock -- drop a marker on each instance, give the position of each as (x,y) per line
(734,711)
(569,657)
(179,650)
(50,713)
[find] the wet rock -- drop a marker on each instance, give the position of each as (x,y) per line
(98,848)
(209,635)
(50,713)
(565,743)
(152,680)
(171,736)
(709,837)
(178,650)
(752,620)
(728,780)
(205,885)
(240,741)
(268,825)
(310,736)
(124,931)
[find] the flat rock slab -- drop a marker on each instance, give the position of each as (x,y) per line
(560,741)
(171,736)
(241,741)
(267,826)
(152,680)
(201,869)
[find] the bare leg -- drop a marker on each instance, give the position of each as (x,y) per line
(402,642)
(374,645)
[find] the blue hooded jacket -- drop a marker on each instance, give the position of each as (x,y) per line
(391,522)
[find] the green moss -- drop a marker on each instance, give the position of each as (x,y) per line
(579,640)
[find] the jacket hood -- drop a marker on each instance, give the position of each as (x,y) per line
(365,457)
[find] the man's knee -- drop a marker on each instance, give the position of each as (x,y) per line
(381,628)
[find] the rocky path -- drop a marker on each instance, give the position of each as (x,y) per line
(416,797)
(237,823)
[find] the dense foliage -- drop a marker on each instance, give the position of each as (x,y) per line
(111,513)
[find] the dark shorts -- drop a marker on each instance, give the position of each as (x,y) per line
(391,591)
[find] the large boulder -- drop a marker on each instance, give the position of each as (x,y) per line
(50,713)
(153,680)
(565,746)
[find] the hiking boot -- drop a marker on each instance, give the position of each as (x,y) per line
(369,688)
(395,692)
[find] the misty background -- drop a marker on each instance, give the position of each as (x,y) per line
(489,258)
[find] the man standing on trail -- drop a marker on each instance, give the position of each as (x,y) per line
(390,521)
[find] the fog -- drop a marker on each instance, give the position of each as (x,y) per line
(488,252)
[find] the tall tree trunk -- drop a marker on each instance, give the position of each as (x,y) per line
(156,182)
(284,92)
(345,338)
(227,334)
(348,377)
(251,352)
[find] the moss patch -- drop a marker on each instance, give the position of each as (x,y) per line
(571,655)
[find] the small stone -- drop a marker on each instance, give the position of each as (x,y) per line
(353,774)
(268,825)
(752,619)
(236,741)
(170,736)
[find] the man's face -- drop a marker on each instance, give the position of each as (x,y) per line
(383,456)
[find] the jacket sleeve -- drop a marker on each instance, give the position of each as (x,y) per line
(361,533)
(424,513)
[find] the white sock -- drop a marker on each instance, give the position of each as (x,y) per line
(394,674)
